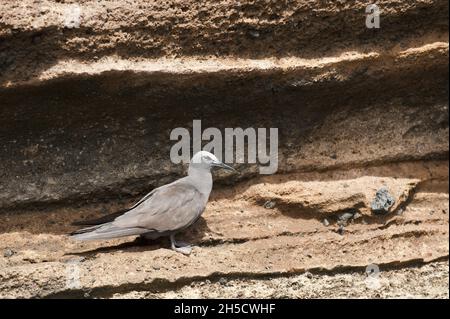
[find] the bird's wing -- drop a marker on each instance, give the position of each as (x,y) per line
(112,216)
(171,207)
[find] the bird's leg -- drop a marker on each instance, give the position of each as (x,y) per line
(180,243)
(180,247)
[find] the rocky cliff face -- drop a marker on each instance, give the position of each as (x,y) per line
(90,90)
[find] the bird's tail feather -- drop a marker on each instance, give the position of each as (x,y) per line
(106,232)
(85,230)
(102,220)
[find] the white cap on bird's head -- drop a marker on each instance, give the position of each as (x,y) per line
(207,160)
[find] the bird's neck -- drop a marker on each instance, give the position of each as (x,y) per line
(202,179)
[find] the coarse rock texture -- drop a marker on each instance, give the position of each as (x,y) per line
(90,91)
(408,282)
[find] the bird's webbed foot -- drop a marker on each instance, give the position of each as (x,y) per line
(180,246)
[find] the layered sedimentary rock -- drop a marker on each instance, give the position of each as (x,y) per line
(90,91)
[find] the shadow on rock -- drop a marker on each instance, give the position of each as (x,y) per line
(194,235)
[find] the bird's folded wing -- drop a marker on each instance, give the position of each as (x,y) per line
(170,207)
(112,216)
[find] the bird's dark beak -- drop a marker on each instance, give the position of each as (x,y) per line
(222,165)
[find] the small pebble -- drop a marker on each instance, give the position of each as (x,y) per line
(342,223)
(326,222)
(269,204)
(382,202)
(341,230)
(8,252)
(345,216)
(254,34)
(344,219)
(222,281)
(309,275)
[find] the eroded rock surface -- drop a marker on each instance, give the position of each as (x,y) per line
(90,90)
